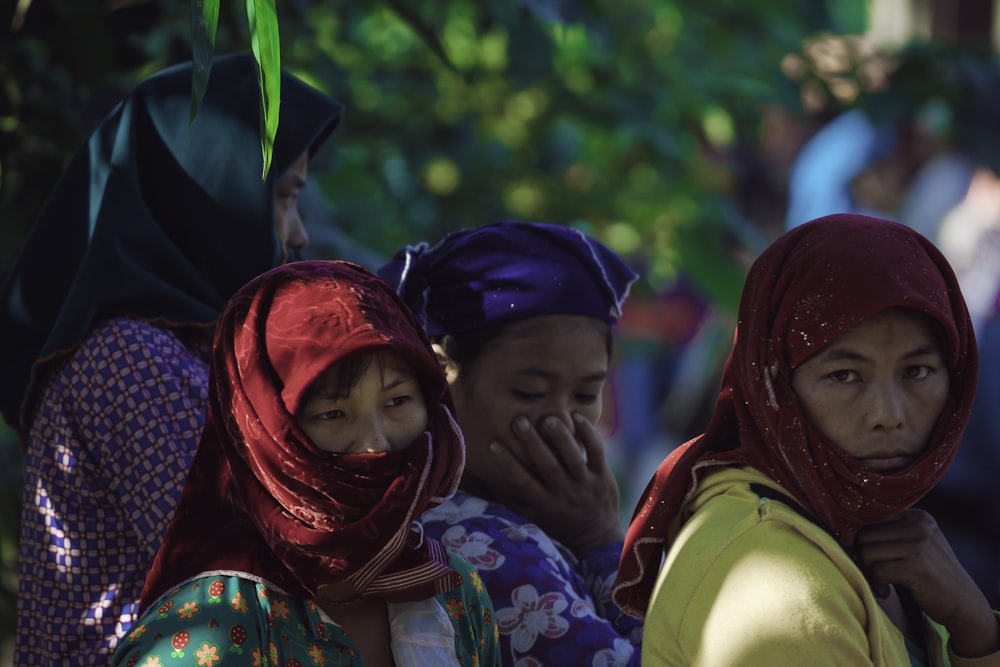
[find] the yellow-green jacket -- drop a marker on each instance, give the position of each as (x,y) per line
(750,581)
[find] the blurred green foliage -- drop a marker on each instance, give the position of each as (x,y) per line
(618,117)
(623,118)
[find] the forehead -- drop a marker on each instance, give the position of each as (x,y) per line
(571,343)
(296,170)
(341,377)
(889,333)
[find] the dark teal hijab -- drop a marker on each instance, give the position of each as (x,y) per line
(154,218)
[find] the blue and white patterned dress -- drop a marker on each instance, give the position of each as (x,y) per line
(551,608)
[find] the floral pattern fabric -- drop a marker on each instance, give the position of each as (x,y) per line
(229,619)
(551,608)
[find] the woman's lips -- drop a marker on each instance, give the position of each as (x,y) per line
(887,463)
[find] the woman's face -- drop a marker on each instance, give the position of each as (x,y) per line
(383,411)
(548,365)
(877,390)
(287,221)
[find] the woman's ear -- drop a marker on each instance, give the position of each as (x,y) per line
(448,364)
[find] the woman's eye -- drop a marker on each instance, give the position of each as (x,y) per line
(918,372)
(843,376)
(586,399)
(527,395)
(397,401)
(331,414)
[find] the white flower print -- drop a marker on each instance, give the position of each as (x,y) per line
(474,547)
(532,615)
(452,512)
(528,661)
(526,531)
(617,657)
(582,608)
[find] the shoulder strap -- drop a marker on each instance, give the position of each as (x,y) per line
(765,491)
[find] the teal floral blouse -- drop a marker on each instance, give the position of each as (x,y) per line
(233,620)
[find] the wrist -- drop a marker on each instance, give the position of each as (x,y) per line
(976,639)
(614,534)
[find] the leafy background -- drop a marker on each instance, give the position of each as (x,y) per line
(664,127)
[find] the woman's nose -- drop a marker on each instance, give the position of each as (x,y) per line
(375,438)
(886,408)
(297,236)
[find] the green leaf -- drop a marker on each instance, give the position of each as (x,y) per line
(427,32)
(263,19)
(204,21)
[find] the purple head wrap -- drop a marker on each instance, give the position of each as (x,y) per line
(508,271)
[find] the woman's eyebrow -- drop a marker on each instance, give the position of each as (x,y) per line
(847,354)
(296,181)
(926,349)
(549,375)
(841,354)
(393,379)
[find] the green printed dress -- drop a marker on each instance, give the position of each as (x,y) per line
(230,619)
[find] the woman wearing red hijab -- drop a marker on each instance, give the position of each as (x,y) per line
(296,540)
(787,527)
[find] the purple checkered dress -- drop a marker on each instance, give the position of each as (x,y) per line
(108,453)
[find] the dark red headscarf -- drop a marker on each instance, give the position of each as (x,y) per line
(811,285)
(261,498)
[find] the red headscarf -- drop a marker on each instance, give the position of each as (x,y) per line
(261,498)
(811,285)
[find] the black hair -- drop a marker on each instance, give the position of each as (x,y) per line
(465,348)
(348,374)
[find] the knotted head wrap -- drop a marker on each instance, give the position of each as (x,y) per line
(261,498)
(810,286)
(507,271)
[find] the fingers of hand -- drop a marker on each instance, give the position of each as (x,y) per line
(911,551)
(910,526)
(551,448)
(578,505)
(593,444)
(534,447)
(563,441)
